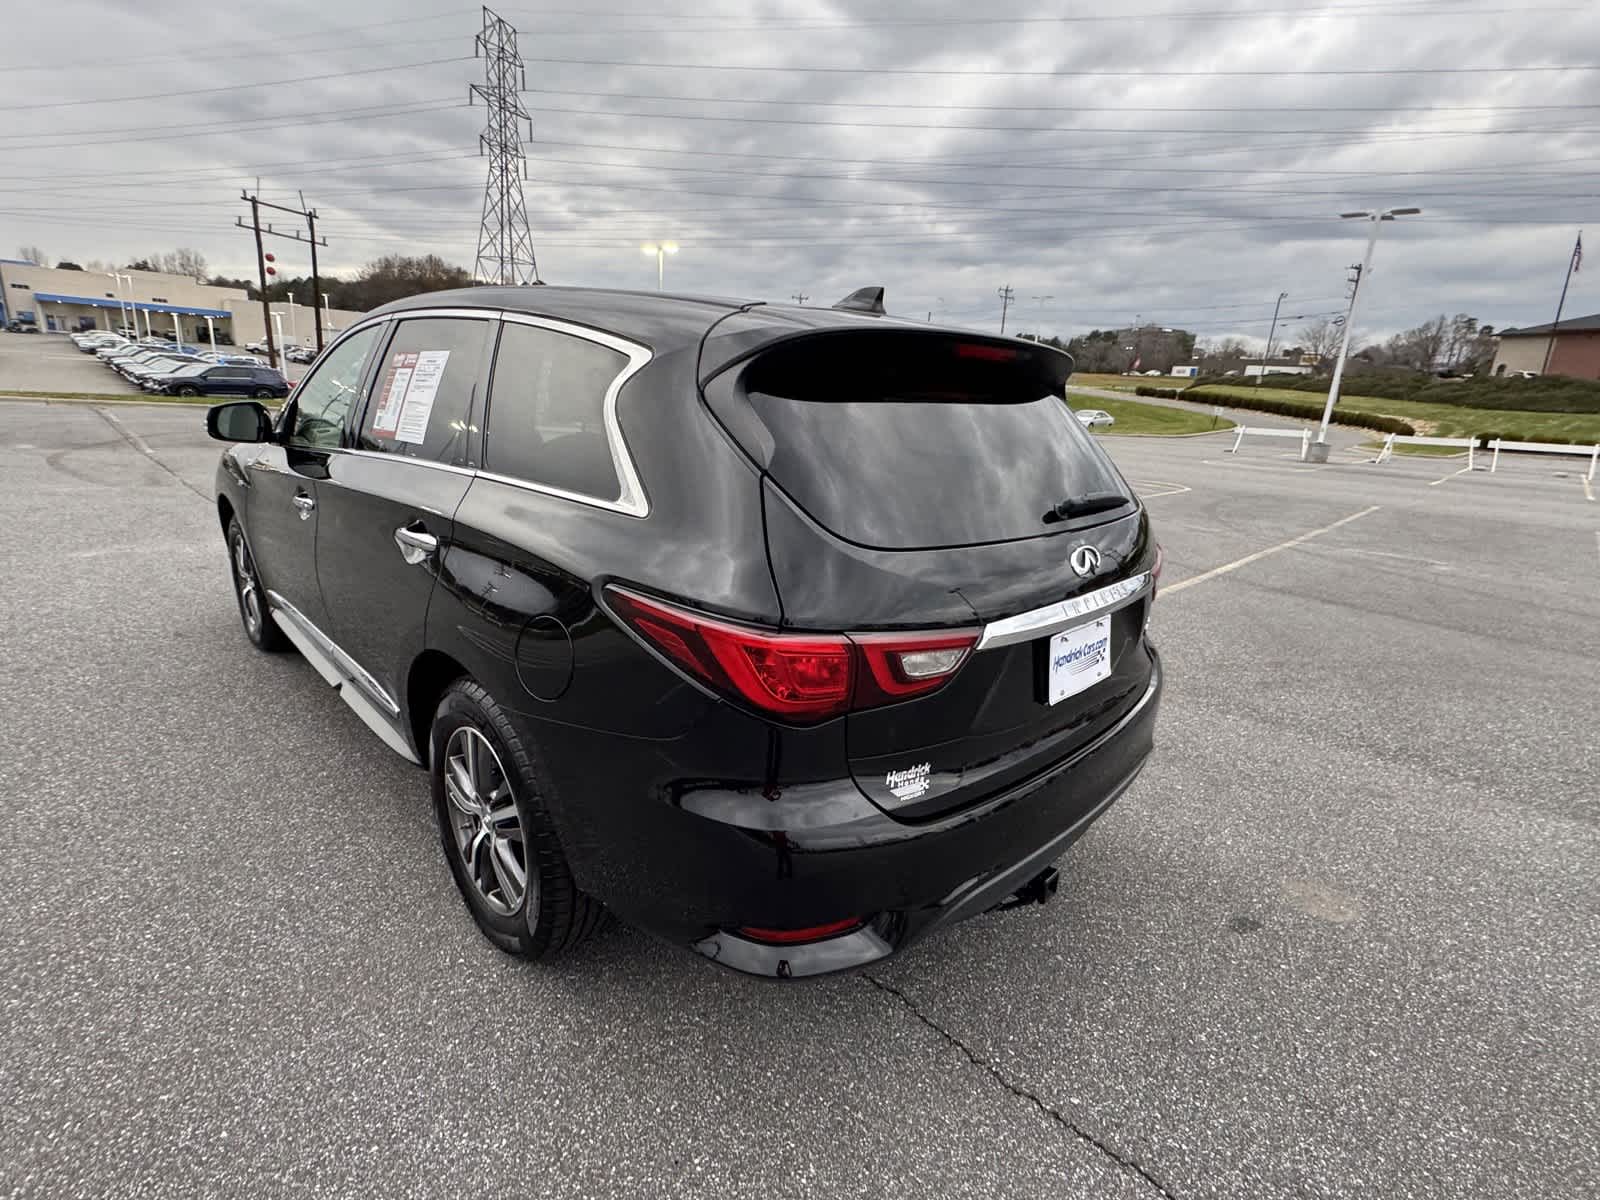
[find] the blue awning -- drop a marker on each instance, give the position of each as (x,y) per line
(182,310)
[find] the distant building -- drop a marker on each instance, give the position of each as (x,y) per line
(1186,372)
(1576,351)
(57,301)
(1281,366)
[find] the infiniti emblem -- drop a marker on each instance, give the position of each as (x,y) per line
(1085,560)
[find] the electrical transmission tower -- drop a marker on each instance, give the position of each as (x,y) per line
(505,247)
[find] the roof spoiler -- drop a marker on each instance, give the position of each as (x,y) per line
(866,300)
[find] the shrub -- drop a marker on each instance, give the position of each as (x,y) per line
(1159,393)
(1304,410)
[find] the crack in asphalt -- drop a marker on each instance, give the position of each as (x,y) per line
(977,1060)
(139,444)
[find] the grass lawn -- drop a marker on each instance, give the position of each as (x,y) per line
(1134,417)
(113,397)
(1442,420)
(1116,383)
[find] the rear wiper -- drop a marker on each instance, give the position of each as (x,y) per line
(1082,506)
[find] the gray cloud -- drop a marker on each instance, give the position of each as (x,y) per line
(1116,195)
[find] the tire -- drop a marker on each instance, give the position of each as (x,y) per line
(188,390)
(551,915)
(262,393)
(259,626)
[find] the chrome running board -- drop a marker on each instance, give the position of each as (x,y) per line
(342,673)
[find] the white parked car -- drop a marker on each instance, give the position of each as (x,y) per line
(1091,417)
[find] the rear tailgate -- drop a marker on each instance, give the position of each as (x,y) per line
(937,481)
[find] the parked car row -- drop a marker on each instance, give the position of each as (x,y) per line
(168,368)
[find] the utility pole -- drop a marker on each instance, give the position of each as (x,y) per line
(316,278)
(1266,354)
(261,269)
(799,298)
(1555,326)
(505,247)
(1318,450)
(310,215)
(1006,297)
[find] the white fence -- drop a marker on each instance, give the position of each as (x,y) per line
(1591,452)
(1303,435)
(1405,439)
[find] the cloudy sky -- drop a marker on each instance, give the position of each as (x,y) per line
(1182,161)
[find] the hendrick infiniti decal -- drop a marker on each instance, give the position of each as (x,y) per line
(909,783)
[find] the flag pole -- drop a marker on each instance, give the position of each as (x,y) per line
(1555,326)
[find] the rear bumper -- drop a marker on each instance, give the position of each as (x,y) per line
(716,859)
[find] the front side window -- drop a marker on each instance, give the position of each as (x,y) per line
(547,411)
(324,400)
(421,402)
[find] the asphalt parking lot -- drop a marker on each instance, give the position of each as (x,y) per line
(1340,940)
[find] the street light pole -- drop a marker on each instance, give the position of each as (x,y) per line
(1318,450)
(660,250)
(1266,354)
(1039,332)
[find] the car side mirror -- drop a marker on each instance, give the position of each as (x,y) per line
(242,421)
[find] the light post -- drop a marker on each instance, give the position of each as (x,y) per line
(659,251)
(122,313)
(277,346)
(326,308)
(1267,353)
(1318,450)
(1039,333)
(211,332)
(294,325)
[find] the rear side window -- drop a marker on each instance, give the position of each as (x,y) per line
(547,411)
(902,441)
(421,402)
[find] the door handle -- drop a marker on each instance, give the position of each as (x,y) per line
(305,504)
(415,544)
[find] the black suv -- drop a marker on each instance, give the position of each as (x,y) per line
(208,379)
(788,634)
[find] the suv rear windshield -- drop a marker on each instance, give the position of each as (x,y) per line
(919,441)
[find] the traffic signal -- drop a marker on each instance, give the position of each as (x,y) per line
(269,260)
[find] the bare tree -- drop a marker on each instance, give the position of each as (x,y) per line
(32,254)
(1321,338)
(182,261)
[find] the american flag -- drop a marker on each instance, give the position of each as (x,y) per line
(1577,255)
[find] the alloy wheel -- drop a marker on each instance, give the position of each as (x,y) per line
(249,588)
(486,829)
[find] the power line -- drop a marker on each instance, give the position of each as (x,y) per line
(1070,72)
(234,87)
(1074,108)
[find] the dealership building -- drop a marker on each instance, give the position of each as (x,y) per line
(56,301)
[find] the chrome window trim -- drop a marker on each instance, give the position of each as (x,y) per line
(633,501)
(401,458)
(1053,618)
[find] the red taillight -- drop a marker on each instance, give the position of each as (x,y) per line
(899,666)
(814,933)
(800,677)
(986,353)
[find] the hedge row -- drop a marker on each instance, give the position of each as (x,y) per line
(1550,393)
(1159,393)
(1306,411)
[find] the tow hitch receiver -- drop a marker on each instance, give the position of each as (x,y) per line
(1038,890)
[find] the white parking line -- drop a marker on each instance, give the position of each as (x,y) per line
(1588,489)
(1452,475)
(1168,488)
(1260,554)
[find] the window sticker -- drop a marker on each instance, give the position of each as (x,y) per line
(426,374)
(395,384)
